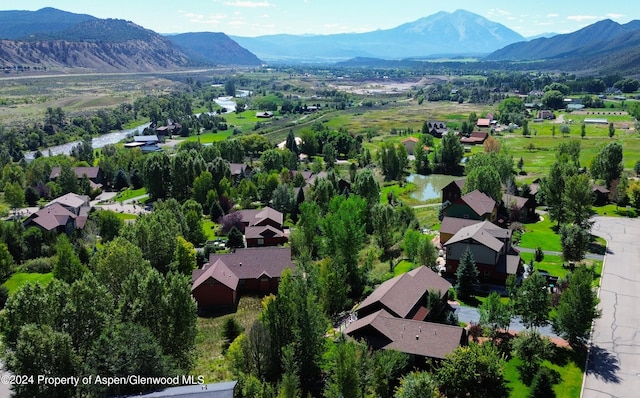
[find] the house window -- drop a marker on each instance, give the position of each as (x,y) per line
(448,251)
(260,241)
(264,279)
(486,274)
(212,282)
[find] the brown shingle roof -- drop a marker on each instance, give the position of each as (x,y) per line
(251,263)
(519,201)
(266,231)
(256,216)
(52,216)
(451,225)
(479,202)
(426,339)
(219,272)
(90,172)
(485,233)
(401,294)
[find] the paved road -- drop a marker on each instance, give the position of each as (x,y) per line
(470,314)
(613,367)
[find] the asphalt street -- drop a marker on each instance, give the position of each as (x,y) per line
(613,365)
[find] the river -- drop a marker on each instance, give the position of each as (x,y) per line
(114,137)
(96,142)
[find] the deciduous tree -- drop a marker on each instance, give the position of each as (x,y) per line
(475,370)
(577,308)
(532,302)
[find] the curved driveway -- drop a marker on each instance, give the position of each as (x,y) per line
(613,366)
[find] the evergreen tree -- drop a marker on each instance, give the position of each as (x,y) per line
(466,276)
(235,238)
(542,384)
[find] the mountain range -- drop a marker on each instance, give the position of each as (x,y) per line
(606,46)
(443,33)
(56,39)
(53,38)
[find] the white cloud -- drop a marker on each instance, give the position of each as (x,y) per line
(498,12)
(248,4)
(615,16)
(580,18)
(553,15)
(212,19)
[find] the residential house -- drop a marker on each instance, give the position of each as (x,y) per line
(484,123)
(526,207)
(452,191)
(94,174)
(264,115)
(168,130)
(546,114)
(240,170)
(409,144)
(600,195)
(405,296)
(220,282)
(437,128)
(64,214)
(493,253)
(147,143)
(394,317)
(451,225)
(421,340)
(476,138)
(475,205)
(263,227)
(53,218)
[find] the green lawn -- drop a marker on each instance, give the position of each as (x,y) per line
(402,267)
(18,279)
(569,365)
(208,138)
(126,216)
(129,194)
(615,211)
(541,234)
(209,229)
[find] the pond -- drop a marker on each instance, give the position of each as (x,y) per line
(429,187)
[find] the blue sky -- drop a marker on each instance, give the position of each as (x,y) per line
(262,17)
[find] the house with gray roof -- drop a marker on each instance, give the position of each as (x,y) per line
(493,253)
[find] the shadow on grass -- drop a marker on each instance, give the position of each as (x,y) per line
(597,248)
(603,365)
(563,355)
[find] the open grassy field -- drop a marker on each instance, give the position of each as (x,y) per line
(18,279)
(26,99)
